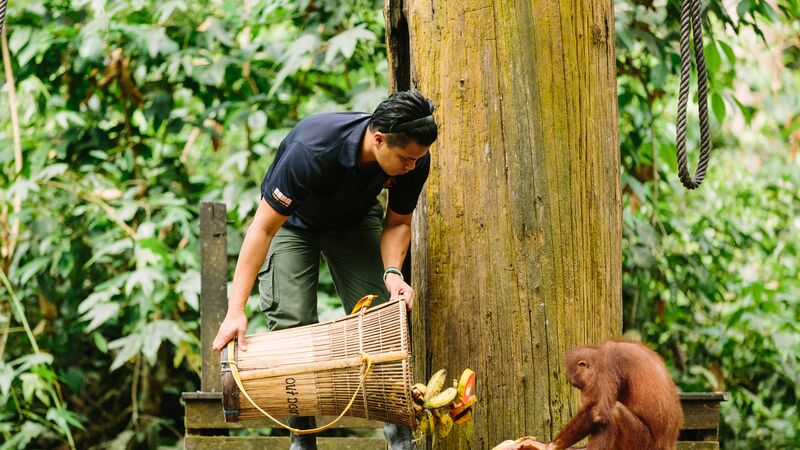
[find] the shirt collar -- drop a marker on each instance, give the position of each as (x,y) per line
(348,157)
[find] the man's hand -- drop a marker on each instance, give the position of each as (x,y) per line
(398,288)
(235,323)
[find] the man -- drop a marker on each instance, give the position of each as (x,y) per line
(319,196)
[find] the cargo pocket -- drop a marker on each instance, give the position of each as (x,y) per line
(266,285)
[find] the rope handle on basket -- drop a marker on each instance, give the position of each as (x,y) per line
(365,359)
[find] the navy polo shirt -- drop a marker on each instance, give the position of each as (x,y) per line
(315,180)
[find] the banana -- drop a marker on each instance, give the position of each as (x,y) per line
(444,426)
(444,398)
(418,392)
(436,383)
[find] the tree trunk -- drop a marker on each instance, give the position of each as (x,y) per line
(516,245)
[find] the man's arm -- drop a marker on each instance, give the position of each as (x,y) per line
(256,243)
(394,244)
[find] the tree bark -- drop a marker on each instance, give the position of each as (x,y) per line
(517,235)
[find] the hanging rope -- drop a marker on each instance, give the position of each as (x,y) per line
(3,6)
(692,22)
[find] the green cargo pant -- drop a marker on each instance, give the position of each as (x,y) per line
(287,281)
(287,285)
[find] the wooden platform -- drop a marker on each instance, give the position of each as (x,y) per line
(206,428)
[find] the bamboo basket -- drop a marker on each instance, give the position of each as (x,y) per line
(316,369)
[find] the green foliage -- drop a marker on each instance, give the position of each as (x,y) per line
(131,113)
(710,277)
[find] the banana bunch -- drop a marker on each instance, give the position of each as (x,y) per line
(438,409)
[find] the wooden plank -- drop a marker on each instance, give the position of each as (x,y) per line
(709,445)
(270,443)
(205,412)
(700,415)
(704,396)
(213,288)
(275,443)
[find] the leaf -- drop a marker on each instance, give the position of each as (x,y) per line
(713,61)
(293,58)
(96,298)
(155,246)
(29,431)
(66,118)
(165,9)
(238,160)
(641,256)
(92,39)
(51,171)
(7,376)
(22,188)
(64,418)
(129,346)
(18,38)
(146,278)
(729,54)
(345,42)
(158,43)
(257,120)
(32,269)
(368,99)
(100,314)
(211,74)
(718,106)
(115,248)
(157,332)
(39,41)
(32,385)
(189,287)
(27,361)
(122,441)
(659,75)
(744,7)
(100,342)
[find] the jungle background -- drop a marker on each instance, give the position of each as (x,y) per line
(132,112)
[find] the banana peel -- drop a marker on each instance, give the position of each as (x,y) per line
(466,383)
(464,417)
(431,421)
(364,302)
(418,392)
(462,405)
(438,410)
(444,426)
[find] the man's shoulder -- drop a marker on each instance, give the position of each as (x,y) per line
(321,131)
(334,117)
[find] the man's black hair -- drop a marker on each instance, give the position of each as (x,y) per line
(403,117)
